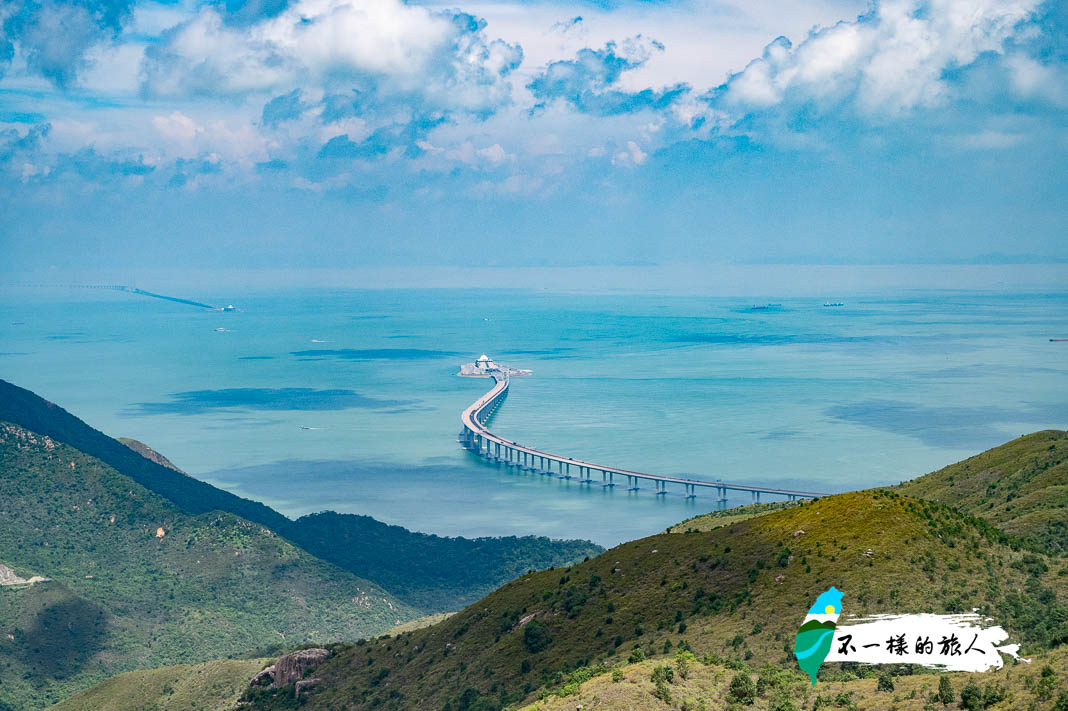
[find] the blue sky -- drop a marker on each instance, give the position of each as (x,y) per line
(356,133)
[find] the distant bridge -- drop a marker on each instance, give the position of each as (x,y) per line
(142,292)
(477,438)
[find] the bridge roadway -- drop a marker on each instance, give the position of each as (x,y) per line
(477,437)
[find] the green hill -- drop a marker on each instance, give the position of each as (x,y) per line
(685,682)
(138,583)
(212,686)
(433,573)
(736,591)
(1020,487)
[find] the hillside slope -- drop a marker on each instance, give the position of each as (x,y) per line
(138,583)
(433,573)
(148,453)
(684,682)
(211,686)
(1020,487)
(738,591)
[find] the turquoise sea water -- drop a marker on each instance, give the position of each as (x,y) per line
(348,399)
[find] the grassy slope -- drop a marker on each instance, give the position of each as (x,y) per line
(431,573)
(705,686)
(212,686)
(1021,487)
(717,519)
(213,585)
(722,585)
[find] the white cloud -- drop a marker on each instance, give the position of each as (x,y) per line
(990,140)
(386,46)
(891,60)
(177,127)
(634,155)
(494,154)
(1032,80)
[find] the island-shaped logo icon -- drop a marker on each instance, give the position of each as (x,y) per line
(814,638)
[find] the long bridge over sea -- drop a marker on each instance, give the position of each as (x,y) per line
(478,438)
(150,294)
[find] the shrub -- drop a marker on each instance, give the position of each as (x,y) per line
(662,692)
(636,655)
(536,637)
(663,673)
(742,689)
(971,697)
(886,682)
(783,703)
(1047,682)
(945,691)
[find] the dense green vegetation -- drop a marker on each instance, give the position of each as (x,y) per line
(703,617)
(736,592)
(1020,487)
(24,408)
(433,573)
(138,583)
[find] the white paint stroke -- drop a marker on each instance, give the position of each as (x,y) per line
(957,642)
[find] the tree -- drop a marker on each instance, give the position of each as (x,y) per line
(971,697)
(945,691)
(742,689)
(886,682)
(536,637)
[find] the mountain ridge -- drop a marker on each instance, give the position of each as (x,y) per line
(135,581)
(412,554)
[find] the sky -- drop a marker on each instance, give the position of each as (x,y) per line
(357,134)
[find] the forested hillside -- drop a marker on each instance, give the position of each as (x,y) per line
(138,583)
(433,573)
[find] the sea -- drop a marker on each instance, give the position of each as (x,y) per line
(347,399)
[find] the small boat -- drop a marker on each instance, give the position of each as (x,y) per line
(834,303)
(229,307)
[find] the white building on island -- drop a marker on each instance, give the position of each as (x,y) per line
(485,367)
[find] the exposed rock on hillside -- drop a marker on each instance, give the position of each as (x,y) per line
(290,668)
(148,453)
(8,577)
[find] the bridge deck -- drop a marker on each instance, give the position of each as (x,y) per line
(473,422)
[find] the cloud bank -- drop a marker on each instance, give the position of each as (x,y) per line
(380,104)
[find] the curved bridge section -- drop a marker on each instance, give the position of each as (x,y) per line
(476,437)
